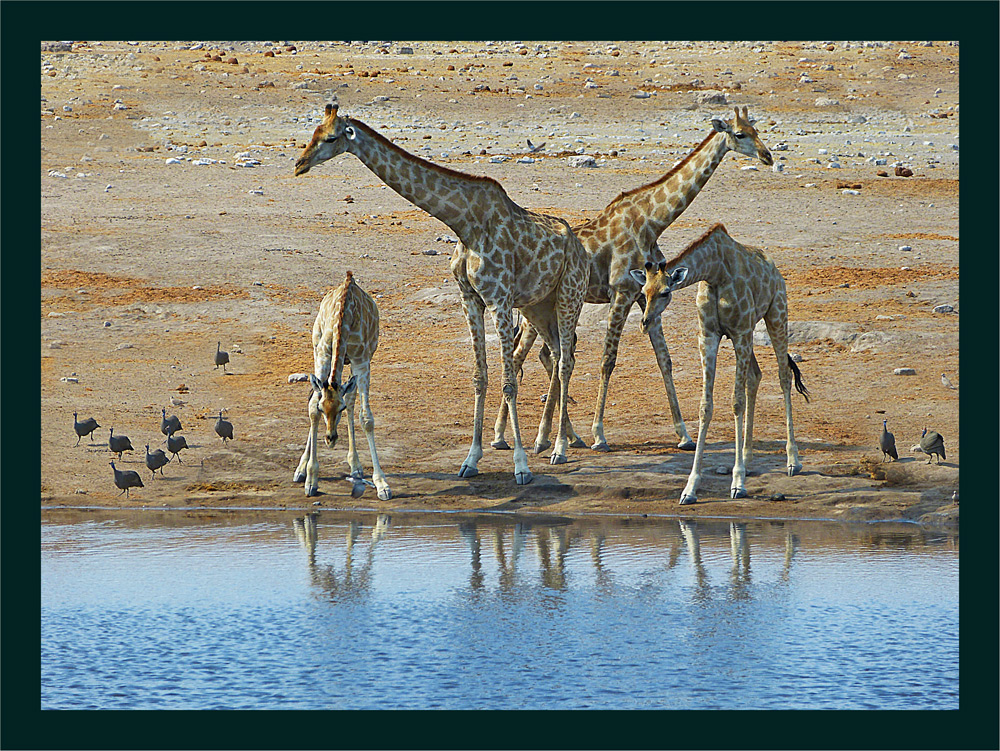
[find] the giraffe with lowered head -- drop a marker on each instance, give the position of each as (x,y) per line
(621,239)
(507,257)
(739,286)
(345,332)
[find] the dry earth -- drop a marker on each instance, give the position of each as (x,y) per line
(170,220)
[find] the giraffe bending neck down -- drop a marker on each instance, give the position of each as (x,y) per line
(345,332)
(738,286)
(621,239)
(507,257)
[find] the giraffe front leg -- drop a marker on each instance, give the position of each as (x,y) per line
(527,339)
(353,460)
(575,441)
(368,425)
(542,441)
(474,309)
(300,470)
(742,347)
(659,343)
(504,322)
(312,462)
(753,382)
(620,306)
(709,346)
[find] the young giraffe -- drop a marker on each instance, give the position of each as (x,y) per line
(621,239)
(507,257)
(345,331)
(739,286)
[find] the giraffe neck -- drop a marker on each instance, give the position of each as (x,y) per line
(661,202)
(448,195)
(705,258)
(334,350)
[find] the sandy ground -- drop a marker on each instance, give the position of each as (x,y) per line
(170,220)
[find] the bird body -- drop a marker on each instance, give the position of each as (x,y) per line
(86,427)
(221,358)
(887,442)
(126,479)
(224,428)
(169,425)
(946,382)
(156,461)
(174,445)
(932,443)
(119,443)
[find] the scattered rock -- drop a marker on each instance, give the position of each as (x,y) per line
(943,309)
(640,95)
(722,470)
(500,159)
(827,102)
(430,252)
(904,372)
(850,192)
(69,379)
(904,172)
(906,248)
(124,345)
(712,97)
(776,497)
(581,161)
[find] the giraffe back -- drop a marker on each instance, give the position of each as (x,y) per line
(346,329)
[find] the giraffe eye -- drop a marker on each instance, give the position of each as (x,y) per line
(740,135)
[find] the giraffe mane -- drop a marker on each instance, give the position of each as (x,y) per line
(718,226)
(660,180)
(372,133)
(339,326)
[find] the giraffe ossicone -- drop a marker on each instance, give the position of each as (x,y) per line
(737,286)
(621,239)
(507,257)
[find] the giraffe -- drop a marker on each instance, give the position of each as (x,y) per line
(507,257)
(345,332)
(621,239)
(738,286)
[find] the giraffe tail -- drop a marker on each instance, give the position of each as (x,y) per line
(799,386)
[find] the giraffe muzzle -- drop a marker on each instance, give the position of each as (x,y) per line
(302,166)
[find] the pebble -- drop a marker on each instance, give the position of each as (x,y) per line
(906,248)
(56,344)
(750,168)
(125,345)
(69,379)
(850,192)
(203,161)
(827,102)
(499,159)
(107,324)
(776,497)
(944,309)
(640,95)
(581,161)
(904,371)
(430,252)
(525,160)
(722,470)
(54,314)
(777,167)
(175,160)
(256,191)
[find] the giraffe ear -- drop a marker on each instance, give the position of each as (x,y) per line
(639,277)
(721,125)
(350,133)
(316,383)
(678,276)
(348,387)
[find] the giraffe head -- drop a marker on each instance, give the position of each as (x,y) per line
(331,400)
(331,138)
(742,137)
(657,286)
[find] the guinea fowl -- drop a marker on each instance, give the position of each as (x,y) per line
(119,443)
(931,443)
(169,425)
(156,461)
(86,427)
(126,479)
(887,442)
(174,445)
(224,428)
(221,358)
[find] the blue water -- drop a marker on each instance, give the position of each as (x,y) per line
(338,611)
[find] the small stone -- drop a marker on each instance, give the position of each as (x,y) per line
(79,491)
(430,252)
(405,50)
(722,470)
(749,168)
(525,160)
(904,372)
(777,167)
(712,97)
(851,192)
(827,102)
(107,324)
(906,248)
(581,161)
(175,160)
(640,95)
(500,159)
(911,293)
(125,345)
(69,379)
(944,309)
(776,497)
(904,172)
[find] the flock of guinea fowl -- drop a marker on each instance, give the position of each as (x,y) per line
(931,443)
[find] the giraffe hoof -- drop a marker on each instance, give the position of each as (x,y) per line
(541,446)
(687,445)
(688,500)
(738,493)
(312,490)
(558,459)
(578,443)
(500,445)
(794,469)
(384,494)
(358,474)
(299,477)
(601,446)
(468,471)
(523,478)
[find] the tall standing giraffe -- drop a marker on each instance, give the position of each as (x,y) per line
(621,239)
(738,286)
(345,332)
(507,257)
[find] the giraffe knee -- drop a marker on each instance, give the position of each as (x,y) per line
(509,391)
(367,422)
(479,382)
(608,364)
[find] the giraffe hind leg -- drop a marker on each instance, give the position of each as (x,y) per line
(525,339)
(776,320)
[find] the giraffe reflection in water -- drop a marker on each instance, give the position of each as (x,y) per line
(355,577)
